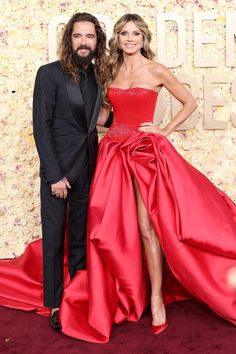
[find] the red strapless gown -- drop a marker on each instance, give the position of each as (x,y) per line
(195,223)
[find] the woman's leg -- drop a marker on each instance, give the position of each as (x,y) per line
(231,277)
(154,257)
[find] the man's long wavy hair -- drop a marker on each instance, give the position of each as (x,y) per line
(115,58)
(65,48)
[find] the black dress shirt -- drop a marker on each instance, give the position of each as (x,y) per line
(88,87)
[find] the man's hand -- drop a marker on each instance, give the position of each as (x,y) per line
(59,189)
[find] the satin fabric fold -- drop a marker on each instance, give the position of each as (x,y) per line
(198,247)
(195,223)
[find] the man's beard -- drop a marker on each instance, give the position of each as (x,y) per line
(83,60)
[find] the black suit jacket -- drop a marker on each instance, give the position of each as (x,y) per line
(66,139)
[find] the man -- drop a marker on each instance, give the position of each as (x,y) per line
(66,106)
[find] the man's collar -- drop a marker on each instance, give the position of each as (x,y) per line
(88,69)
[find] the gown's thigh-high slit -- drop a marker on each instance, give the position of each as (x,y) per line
(154,258)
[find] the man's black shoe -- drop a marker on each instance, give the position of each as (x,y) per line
(55,322)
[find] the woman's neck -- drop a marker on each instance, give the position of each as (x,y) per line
(132,62)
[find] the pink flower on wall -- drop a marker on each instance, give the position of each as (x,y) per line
(64,5)
(3,33)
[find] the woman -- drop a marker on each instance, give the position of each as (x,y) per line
(130,67)
(148,164)
(141,186)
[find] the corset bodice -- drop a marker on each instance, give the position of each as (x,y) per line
(131,108)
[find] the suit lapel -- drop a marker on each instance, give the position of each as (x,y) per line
(96,110)
(76,102)
(77,105)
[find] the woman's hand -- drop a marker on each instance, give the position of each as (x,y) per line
(150,127)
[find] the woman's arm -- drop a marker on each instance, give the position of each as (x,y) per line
(103,116)
(172,84)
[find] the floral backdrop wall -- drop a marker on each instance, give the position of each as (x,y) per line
(24,47)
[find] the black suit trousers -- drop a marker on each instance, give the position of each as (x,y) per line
(59,216)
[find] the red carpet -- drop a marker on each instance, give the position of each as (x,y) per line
(193,329)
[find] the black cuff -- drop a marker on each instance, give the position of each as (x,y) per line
(55,180)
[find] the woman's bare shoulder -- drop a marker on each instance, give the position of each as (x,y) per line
(158,68)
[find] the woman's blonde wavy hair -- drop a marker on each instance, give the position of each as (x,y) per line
(115,57)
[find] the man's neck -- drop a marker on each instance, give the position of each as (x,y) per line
(85,67)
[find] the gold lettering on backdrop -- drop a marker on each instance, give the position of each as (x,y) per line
(211,101)
(230,38)
(233,93)
(162,18)
(175,104)
(200,39)
(193,119)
